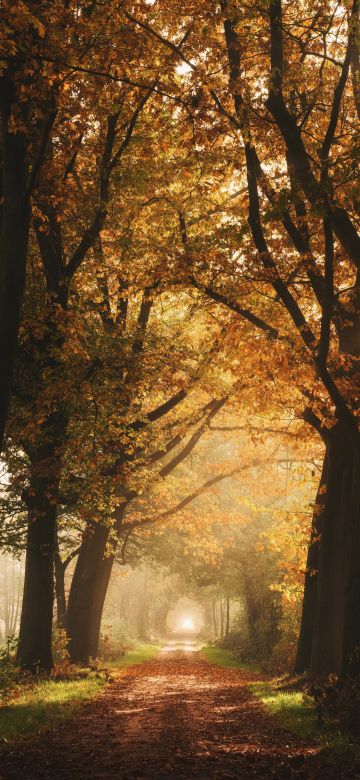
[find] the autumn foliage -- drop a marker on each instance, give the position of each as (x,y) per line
(179,317)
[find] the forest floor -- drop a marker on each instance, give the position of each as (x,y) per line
(176,716)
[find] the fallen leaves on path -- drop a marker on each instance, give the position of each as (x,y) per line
(176,716)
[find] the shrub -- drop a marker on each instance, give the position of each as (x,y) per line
(112,648)
(60,646)
(338,703)
(9,672)
(242,647)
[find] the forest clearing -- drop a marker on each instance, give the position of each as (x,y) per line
(179,388)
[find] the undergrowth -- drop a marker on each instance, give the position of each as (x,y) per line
(136,655)
(295,709)
(29,704)
(225,658)
(33,707)
(314,716)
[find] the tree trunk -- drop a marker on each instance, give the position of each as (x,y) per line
(143,621)
(59,571)
(34,650)
(252,611)
(329,624)
(143,614)
(12,599)
(17,605)
(214,618)
(227,625)
(221,617)
(14,234)
(351,645)
(35,646)
(159,620)
(6,599)
(304,648)
(87,595)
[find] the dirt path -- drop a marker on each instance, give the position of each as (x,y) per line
(173,717)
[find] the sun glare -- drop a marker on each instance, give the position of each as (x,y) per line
(187,624)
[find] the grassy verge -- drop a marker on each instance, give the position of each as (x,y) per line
(298,714)
(138,655)
(225,658)
(34,707)
(293,708)
(296,711)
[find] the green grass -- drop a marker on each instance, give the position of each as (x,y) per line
(225,658)
(296,712)
(293,709)
(35,708)
(138,655)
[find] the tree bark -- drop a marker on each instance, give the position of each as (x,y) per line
(6,599)
(14,234)
(351,645)
(335,542)
(159,620)
(87,593)
(59,571)
(304,647)
(227,624)
(35,647)
(143,613)
(87,596)
(35,637)
(214,618)
(16,606)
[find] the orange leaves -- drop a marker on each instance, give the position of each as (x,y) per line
(32,330)
(23,17)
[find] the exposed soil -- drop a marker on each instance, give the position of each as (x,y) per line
(176,716)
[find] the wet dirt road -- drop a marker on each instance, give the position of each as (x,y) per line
(176,716)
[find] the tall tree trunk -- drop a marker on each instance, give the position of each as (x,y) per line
(88,591)
(252,610)
(159,620)
(17,605)
(13,252)
(87,595)
(14,234)
(12,598)
(6,598)
(35,645)
(351,645)
(304,647)
(329,624)
(227,624)
(214,618)
(221,617)
(35,650)
(143,614)
(59,571)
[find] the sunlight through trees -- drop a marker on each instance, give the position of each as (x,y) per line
(180,330)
